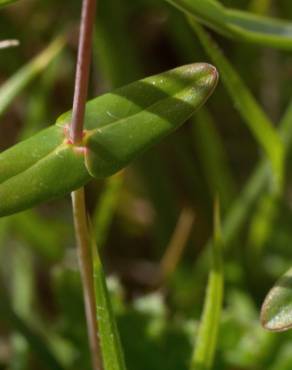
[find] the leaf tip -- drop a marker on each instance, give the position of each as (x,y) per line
(277,323)
(276,311)
(212,76)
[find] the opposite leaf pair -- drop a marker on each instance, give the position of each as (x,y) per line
(118,127)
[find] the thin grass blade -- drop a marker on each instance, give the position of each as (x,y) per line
(206,341)
(237,24)
(14,85)
(250,111)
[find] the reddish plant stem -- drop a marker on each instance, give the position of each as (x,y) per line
(78,201)
(86,271)
(82,69)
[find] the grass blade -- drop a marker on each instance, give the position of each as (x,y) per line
(254,117)
(239,25)
(203,356)
(239,211)
(12,87)
(211,152)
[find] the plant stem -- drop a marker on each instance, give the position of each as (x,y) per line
(78,200)
(86,270)
(82,69)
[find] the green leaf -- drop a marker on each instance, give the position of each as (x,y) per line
(119,126)
(252,114)
(276,313)
(123,124)
(206,341)
(12,87)
(112,353)
(239,25)
(41,168)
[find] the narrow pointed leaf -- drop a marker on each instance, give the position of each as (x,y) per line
(239,25)
(112,353)
(119,126)
(276,313)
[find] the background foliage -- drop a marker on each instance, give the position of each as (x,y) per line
(138,213)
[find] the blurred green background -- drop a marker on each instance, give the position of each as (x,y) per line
(153,221)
